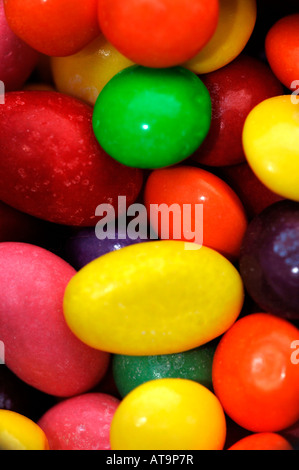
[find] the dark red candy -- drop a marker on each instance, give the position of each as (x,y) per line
(254,195)
(51,165)
(235,90)
(269,261)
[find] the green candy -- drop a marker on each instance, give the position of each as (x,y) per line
(152,118)
(131,371)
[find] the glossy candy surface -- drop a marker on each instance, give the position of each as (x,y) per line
(169,414)
(270,139)
(237,19)
(160,33)
(152,118)
(235,90)
(54,27)
(39,347)
(282,50)
(253,375)
(262,441)
(80,423)
(224,219)
(17,58)
(83,247)
(104,304)
(20,433)
(54,168)
(84,75)
(269,261)
(196,365)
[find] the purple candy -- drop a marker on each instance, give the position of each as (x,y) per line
(84,246)
(269,261)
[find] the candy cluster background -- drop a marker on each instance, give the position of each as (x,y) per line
(178,329)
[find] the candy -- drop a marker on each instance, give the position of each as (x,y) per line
(152,118)
(269,261)
(17,58)
(80,423)
(158,33)
(253,376)
(252,192)
(270,139)
(56,27)
(54,168)
(104,304)
(262,441)
(236,23)
(196,365)
(39,348)
(282,46)
(20,433)
(235,90)
(224,219)
(170,414)
(85,74)
(84,246)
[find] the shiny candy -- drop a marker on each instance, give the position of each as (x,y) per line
(236,23)
(170,414)
(152,118)
(153,298)
(270,139)
(20,433)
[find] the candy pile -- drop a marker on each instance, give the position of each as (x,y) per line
(171,127)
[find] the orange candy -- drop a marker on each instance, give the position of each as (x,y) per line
(262,441)
(282,50)
(224,218)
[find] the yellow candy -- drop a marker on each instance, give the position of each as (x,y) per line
(236,23)
(271,144)
(153,298)
(84,75)
(169,414)
(20,433)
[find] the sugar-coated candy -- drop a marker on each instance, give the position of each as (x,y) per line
(224,218)
(39,347)
(262,441)
(269,260)
(17,58)
(84,75)
(80,423)
(254,195)
(170,414)
(270,139)
(253,375)
(54,168)
(282,50)
(196,365)
(83,246)
(104,303)
(235,90)
(54,27)
(237,19)
(158,33)
(152,118)
(17,432)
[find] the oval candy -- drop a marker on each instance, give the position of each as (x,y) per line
(153,298)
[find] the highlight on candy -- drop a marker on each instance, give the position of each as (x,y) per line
(174,219)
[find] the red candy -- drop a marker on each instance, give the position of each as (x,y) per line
(224,218)
(262,441)
(39,347)
(253,375)
(235,90)
(80,423)
(159,33)
(17,58)
(282,50)
(54,168)
(54,27)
